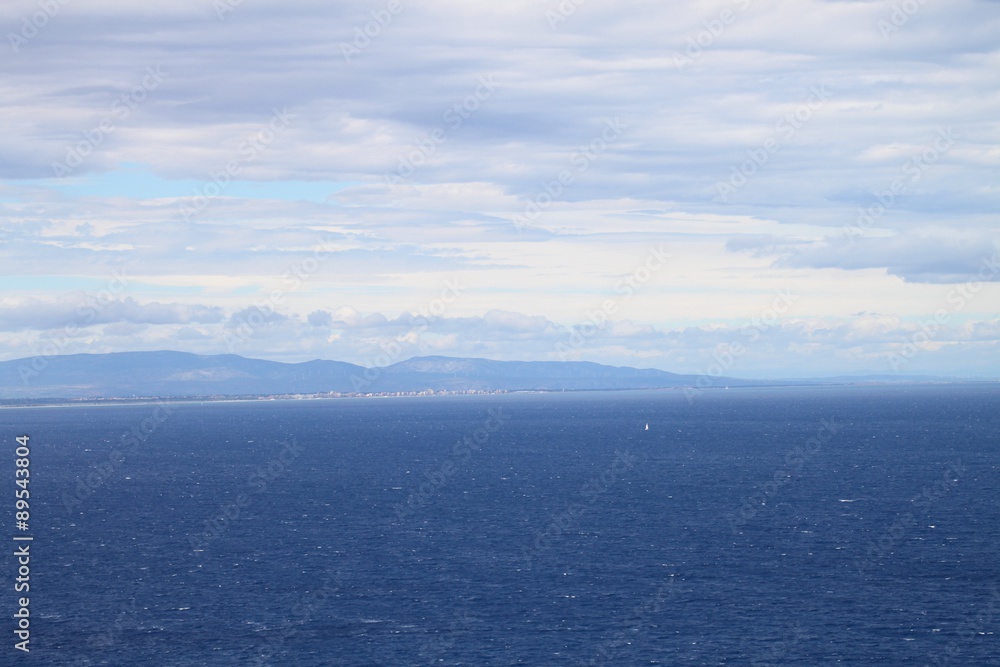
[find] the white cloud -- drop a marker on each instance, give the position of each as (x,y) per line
(533,139)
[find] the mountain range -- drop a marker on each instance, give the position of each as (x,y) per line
(177,374)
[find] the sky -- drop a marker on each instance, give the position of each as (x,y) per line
(752,188)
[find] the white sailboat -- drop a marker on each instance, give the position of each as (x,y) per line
(647,426)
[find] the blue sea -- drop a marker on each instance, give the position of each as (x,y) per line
(775,526)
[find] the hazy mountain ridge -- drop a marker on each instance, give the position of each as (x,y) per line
(176,374)
(168,373)
(165,374)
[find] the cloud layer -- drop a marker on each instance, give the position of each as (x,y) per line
(331,170)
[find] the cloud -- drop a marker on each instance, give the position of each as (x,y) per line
(82,310)
(914,257)
(281,153)
(861,343)
(320,318)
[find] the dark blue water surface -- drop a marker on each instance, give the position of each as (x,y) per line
(819,526)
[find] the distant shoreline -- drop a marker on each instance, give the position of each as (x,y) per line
(268,398)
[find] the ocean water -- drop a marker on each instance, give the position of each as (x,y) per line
(815,526)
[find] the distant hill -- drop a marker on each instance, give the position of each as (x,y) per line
(126,374)
(458,374)
(176,374)
(166,374)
